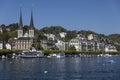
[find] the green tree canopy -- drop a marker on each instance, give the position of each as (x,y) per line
(13,27)
(72,48)
(53,29)
(4,36)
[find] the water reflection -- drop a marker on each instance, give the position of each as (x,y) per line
(76,68)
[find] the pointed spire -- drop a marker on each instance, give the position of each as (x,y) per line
(31,21)
(20,21)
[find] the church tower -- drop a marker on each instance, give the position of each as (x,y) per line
(31,30)
(20,29)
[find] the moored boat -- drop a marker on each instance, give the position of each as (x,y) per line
(60,55)
(32,54)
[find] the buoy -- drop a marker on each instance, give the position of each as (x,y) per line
(45,72)
(10,62)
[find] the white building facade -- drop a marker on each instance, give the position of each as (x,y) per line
(61,45)
(110,48)
(82,44)
(79,43)
(62,34)
(8,46)
(50,36)
(1,45)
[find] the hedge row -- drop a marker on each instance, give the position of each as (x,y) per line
(67,52)
(47,52)
(7,51)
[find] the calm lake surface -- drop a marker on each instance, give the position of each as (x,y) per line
(79,68)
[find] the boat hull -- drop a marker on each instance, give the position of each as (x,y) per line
(32,55)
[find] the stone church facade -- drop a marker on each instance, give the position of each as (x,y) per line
(25,39)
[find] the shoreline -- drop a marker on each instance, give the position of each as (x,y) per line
(69,53)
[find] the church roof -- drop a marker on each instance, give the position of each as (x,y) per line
(20,21)
(24,38)
(31,21)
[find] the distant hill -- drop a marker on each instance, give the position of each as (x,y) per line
(114,37)
(71,34)
(87,32)
(56,30)
(53,29)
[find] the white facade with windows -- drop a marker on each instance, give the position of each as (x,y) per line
(1,30)
(63,34)
(50,36)
(1,45)
(110,48)
(79,43)
(8,46)
(82,44)
(92,37)
(62,45)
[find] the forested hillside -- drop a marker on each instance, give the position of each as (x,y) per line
(114,37)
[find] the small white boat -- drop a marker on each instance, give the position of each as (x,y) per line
(52,55)
(3,57)
(60,55)
(107,55)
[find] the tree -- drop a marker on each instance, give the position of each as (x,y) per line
(12,34)
(13,27)
(37,46)
(72,48)
(70,35)
(53,29)
(118,48)
(4,36)
(86,32)
(114,37)
(26,28)
(41,36)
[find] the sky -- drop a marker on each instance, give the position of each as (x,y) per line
(101,16)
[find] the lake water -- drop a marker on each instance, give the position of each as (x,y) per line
(79,68)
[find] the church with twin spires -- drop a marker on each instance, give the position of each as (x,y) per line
(25,39)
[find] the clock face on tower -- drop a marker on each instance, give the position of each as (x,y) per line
(20,31)
(31,33)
